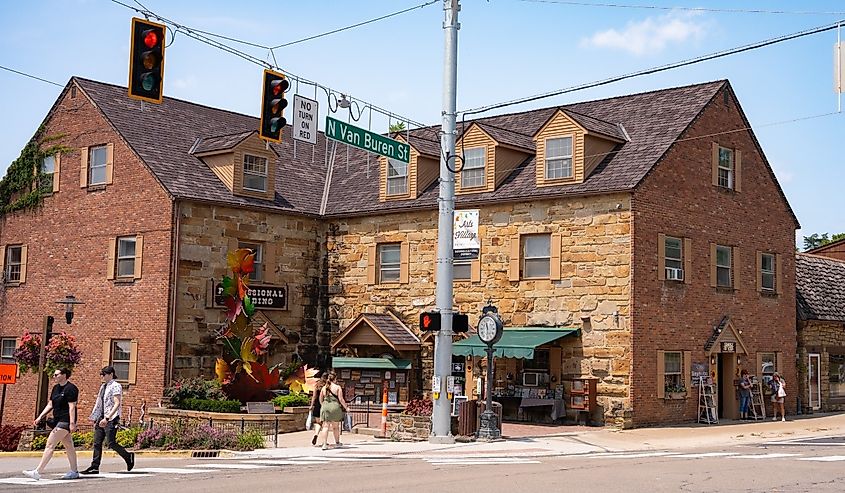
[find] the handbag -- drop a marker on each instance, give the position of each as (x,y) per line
(347,422)
(781,392)
(308,421)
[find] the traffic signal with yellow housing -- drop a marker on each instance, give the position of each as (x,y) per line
(273,105)
(146,61)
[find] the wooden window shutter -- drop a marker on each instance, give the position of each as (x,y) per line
(133,361)
(139,255)
(404,254)
(688,372)
(714,164)
(110,265)
(759,270)
(109,163)
(778,274)
(372,263)
(23,264)
(106,355)
(759,370)
(779,362)
(83,168)
(475,269)
(555,360)
(554,268)
(3,262)
(738,170)
(270,262)
(661,257)
(687,254)
(513,267)
(661,378)
(713,265)
(57,172)
(18,344)
(735,267)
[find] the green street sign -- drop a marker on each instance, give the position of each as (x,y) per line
(366,140)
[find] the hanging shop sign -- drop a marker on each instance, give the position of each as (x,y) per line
(465,242)
(728,347)
(366,140)
(263,297)
(305,119)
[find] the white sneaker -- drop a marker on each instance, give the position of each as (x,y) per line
(33,474)
(783,418)
(775,418)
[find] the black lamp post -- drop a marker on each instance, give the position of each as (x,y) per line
(490,328)
(46,334)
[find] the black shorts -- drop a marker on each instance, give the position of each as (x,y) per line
(64,425)
(315,413)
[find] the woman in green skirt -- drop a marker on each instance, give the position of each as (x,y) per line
(332,407)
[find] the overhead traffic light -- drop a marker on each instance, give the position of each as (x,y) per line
(273,105)
(146,61)
(430,321)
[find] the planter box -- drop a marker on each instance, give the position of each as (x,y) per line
(675,395)
(292,419)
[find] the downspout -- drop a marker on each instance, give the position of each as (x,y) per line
(170,345)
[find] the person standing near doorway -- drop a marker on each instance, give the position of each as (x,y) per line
(744,394)
(106,417)
(62,402)
(778,396)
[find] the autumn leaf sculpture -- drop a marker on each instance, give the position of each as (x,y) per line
(242,376)
(302,380)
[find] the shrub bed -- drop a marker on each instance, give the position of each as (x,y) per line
(213,406)
(294,399)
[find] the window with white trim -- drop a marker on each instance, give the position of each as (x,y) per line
(559,158)
(120,358)
(126,256)
(97,160)
(673,260)
(255,173)
(397,177)
(767,271)
(13,263)
(536,256)
(258,259)
(7,349)
(723,267)
(726,168)
(472,172)
(389,262)
(48,168)
(673,371)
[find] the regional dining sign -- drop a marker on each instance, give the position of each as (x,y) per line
(263,297)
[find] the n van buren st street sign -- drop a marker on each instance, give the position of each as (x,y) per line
(366,140)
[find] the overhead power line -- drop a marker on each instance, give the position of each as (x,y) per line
(692,9)
(654,70)
(31,76)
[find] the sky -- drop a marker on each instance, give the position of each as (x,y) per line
(507,49)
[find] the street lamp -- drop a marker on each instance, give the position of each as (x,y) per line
(46,334)
(490,329)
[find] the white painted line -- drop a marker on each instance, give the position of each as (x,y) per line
(172,470)
(228,466)
(762,456)
(705,454)
(632,456)
(827,458)
(479,462)
(30,482)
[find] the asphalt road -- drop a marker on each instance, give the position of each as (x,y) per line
(811,465)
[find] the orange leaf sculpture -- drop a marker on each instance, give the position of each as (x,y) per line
(224,374)
(256,387)
(302,380)
(241,262)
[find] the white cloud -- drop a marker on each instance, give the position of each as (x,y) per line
(650,35)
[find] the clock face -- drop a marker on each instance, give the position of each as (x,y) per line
(487,329)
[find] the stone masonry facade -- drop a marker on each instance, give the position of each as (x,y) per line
(823,338)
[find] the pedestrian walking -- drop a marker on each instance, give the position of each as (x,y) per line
(315,408)
(62,402)
(332,407)
(744,394)
(778,396)
(106,417)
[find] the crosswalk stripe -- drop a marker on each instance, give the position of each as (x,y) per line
(31,482)
(172,470)
(762,456)
(228,466)
(470,462)
(827,458)
(703,455)
(631,456)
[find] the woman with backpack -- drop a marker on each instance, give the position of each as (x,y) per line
(778,396)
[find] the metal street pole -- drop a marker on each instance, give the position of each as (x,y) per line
(441,416)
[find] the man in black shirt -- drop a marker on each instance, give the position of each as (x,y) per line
(63,399)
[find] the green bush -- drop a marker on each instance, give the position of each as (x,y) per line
(127,436)
(80,440)
(250,439)
(194,388)
(293,399)
(210,405)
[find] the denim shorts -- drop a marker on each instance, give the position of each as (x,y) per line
(64,425)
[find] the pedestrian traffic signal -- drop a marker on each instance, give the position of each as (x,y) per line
(460,322)
(430,321)
(146,61)
(273,105)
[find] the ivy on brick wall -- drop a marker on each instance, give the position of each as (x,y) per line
(21,188)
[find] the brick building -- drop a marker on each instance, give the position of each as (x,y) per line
(651,223)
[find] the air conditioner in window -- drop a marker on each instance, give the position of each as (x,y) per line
(674,274)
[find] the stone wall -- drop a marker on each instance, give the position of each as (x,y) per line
(406,428)
(292,257)
(289,421)
(824,338)
(594,284)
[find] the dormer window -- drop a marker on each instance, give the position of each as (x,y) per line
(472,174)
(559,158)
(255,173)
(397,177)
(726,168)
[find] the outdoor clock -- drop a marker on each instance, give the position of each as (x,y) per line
(490,329)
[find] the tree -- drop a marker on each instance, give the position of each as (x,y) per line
(397,127)
(816,240)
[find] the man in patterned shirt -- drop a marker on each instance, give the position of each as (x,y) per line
(106,417)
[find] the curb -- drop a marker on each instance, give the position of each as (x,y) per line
(109,453)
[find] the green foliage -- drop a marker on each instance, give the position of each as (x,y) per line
(194,388)
(816,240)
(210,405)
(81,439)
(294,399)
(22,188)
(397,127)
(250,439)
(188,435)
(127,436)
(290,369)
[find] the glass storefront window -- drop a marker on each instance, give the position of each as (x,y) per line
(836,375)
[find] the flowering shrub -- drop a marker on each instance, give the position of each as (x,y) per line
(10,436)
(28,352)
(151,437)
(418,407)
(194,388)
(62,352)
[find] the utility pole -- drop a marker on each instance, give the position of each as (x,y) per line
(441,416)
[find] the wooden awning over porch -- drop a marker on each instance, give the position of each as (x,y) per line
(377,329)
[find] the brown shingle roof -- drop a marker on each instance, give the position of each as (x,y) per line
(597,125)
(220,142)
(509,137)
(820,285)
(392,328)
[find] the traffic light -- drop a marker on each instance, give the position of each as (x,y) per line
(460,322)
(146,61)
(430,321)
(273,105)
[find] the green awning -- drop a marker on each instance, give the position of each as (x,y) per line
(373,363)
(516,342)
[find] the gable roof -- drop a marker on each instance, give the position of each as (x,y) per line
(833,245)
(597,125)
(508,137)
(219,143)
(394,333)
(820,288)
